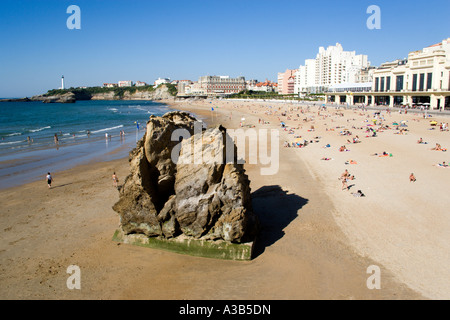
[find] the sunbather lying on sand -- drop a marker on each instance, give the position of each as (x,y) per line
(439,148)
(443,165)
(358,194)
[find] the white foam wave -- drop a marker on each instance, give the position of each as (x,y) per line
(12,142)
(40,129)
(14,134)
(107,129)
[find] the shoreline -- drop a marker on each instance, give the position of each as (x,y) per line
(307,251)
(23,161)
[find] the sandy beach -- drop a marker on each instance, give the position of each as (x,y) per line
(317,240)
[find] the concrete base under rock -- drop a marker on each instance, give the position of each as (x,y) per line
(189,246)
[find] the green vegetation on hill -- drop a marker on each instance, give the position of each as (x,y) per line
(172,89)
(249,94)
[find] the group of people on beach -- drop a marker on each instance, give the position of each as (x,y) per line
(50,179)
(345,177)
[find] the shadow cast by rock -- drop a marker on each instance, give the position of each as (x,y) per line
(276,209)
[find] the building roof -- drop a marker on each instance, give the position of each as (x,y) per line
(352,85)
(436,45)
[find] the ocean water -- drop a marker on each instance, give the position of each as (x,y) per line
(27,135)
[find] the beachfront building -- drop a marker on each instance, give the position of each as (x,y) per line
(251,83)
(305,77)
(160,81)
(221,85)
(422,80)
(286,81)
(184,87)
(126,83)
(197,89)
(266,86)
(331,66)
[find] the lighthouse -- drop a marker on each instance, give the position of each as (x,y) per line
(62,82)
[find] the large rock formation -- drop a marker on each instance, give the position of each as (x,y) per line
(186,187)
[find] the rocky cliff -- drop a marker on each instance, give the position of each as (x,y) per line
(63,98)
(160,93)
(186,188)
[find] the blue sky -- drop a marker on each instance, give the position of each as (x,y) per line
(144,40)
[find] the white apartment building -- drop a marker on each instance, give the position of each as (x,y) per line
(161,81)
(330,67)
(305,77)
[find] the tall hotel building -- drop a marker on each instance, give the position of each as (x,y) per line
(331,66)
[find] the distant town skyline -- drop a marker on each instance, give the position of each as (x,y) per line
(147,40)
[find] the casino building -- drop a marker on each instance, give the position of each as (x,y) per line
(421,80)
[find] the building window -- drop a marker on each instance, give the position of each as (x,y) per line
(399,85)
(382,84)
(429,80)
(414,84)
(422,82)
(388,83)
(376,84)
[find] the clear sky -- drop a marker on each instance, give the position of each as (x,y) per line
(144,40)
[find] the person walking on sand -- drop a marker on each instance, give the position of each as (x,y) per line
(49,179)
(344,184)
(412,178)
(115,179)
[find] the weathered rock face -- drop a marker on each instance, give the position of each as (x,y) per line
(64,98)
(186,187)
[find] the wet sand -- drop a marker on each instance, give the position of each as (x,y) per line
(310,247)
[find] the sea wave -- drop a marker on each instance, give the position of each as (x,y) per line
(107,129)
(11,142)
(13,134)
(39,129)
